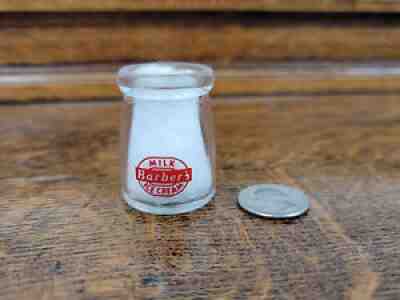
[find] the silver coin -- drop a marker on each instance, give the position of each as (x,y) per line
(274,201)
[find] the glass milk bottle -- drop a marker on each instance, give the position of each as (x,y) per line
(167,140)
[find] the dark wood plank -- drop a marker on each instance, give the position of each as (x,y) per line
(221,38)
(94,82)
(209,5)
(66,234)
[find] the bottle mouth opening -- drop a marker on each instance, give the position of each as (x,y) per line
(165,80)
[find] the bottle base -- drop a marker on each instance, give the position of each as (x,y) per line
(173,209)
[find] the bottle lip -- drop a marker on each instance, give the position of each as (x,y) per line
(165,80)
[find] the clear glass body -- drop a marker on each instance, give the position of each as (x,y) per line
(167,138)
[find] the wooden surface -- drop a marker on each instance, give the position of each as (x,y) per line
(66,234)
(97,82)
(209,5)
(208,37)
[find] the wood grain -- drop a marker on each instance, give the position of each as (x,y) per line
(201,5)
(97,82)
(66,234)
(217,38)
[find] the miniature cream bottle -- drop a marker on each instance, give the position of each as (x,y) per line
(167,140)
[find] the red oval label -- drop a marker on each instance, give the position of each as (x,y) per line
(163,176)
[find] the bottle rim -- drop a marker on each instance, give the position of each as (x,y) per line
(165,80)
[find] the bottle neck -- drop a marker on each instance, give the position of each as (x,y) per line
(181,94)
